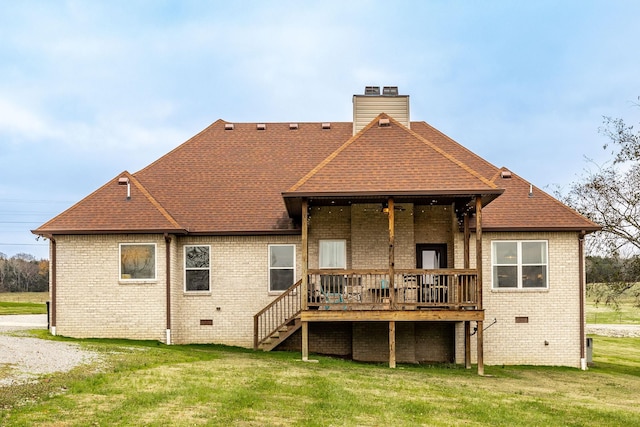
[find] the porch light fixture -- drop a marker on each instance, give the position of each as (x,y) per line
(125,181)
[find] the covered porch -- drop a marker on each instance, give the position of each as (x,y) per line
(388,294)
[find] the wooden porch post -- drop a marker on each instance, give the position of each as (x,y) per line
(392,238)
(392,344)
(480,337)
(467,324)
(305,278)
(392,324)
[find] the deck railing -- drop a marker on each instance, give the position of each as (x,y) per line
(410,289)
(277,314)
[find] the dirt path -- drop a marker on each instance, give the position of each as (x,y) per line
(614,330)
(24,359)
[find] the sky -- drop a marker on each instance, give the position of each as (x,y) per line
(89,89)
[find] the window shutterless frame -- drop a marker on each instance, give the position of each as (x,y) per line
(520,264)
(282,267)
(332,253)
(137,262)
(197,268)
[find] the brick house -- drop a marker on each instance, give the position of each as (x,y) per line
(379,239)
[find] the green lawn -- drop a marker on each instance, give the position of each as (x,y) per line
(627,313)
(145,383)
(23,302)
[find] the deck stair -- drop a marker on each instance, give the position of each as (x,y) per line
(278,320)
(277,337)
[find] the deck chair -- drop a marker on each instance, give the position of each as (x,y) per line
(332,288)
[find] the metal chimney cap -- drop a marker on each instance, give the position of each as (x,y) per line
(390,90)
(372,90)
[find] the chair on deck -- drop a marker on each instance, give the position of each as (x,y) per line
(332,288)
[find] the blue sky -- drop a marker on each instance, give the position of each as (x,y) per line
(91,88)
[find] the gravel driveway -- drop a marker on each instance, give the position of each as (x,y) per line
(29,358)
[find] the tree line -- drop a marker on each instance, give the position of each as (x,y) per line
(23,273)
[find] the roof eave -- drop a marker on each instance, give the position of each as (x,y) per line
(293,200)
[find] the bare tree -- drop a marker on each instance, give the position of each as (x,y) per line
(610,196)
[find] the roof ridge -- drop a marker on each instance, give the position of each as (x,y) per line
(332,156)
(449,156)
(153,201)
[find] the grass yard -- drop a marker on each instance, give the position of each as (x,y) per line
(23,302)
(626,314)
(145,383)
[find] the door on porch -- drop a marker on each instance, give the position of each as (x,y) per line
(432,287)
(431,255)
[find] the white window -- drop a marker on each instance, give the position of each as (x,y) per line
(197,268)
(137,261)
(333,254)
(282,267)
(519,264)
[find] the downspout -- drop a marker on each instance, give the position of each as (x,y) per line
(52,314)
(167,261)
(583,358)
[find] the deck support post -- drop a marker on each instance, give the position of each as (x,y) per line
(480,337)
(467,344)
(305,341)
(392,238)
(392,344)
(467,324)
(305,278)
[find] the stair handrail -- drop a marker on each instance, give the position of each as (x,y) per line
(286,307)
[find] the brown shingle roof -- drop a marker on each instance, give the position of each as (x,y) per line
(232,181)
(516,210)
(391,159)
(108,210)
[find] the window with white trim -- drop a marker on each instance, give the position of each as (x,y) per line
(282,267)
(197,268)
(520,264)
(333,254)
(137,261)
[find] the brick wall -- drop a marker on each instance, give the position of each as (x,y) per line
(93,302)
(239,289)
(552,334)
(416,342)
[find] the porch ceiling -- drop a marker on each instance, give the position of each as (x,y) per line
(464,201)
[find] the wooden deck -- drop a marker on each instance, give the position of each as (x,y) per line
(372,295)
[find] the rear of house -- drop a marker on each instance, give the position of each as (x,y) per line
(379,239)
